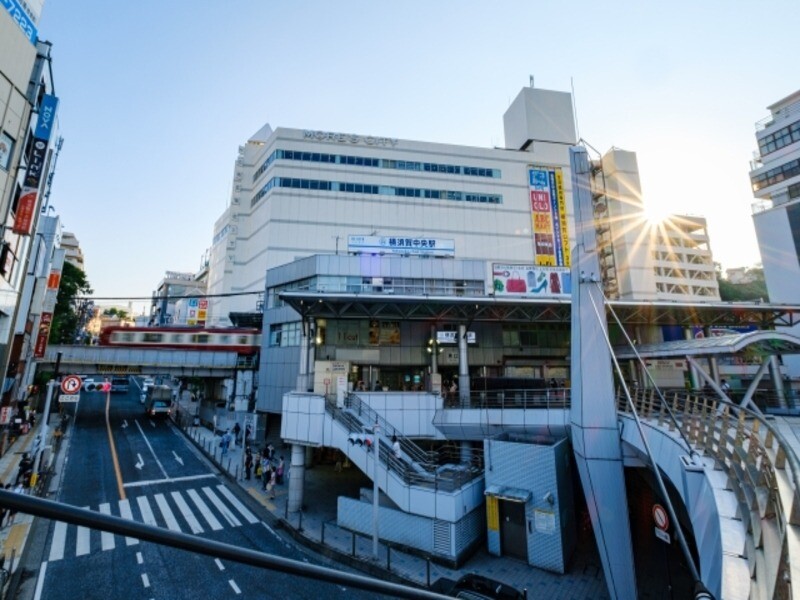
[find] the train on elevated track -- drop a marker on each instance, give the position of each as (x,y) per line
(239,340)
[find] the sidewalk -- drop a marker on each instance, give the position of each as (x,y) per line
(315,526)
(13,538)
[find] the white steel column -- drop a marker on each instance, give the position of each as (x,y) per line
(296,478)
(777,381)
(593,415)
(463,367)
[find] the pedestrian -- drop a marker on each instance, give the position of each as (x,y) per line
(271,483)
(270,451)
(247,432)
(248,462)
(279,471)
(224,441)
(396,446)
(236,431)
(25,466)
(266,472)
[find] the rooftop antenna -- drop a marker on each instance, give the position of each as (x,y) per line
(531,78)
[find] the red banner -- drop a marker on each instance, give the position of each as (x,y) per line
(41,337)
(23,219)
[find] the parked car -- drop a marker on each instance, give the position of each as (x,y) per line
(478,587)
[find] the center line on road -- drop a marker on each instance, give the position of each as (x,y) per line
(145,580)
(234,586)
(139,558)
(219,564)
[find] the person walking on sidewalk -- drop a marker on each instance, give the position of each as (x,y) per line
(236,431)
(248,462)
(279,471)
(271,483)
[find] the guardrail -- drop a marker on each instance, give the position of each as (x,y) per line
(442,469)
(762,469)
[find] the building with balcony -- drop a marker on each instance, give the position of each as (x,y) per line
(775,179)
(72,247)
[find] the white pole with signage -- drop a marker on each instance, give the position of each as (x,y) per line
(46,416)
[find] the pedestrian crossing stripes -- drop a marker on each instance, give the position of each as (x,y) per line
(194,511)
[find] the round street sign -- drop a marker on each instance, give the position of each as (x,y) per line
(71,384)
(660,517)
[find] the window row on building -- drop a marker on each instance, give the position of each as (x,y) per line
(778,139)
(776,175)
(367,188)
(384,285)
(381,163)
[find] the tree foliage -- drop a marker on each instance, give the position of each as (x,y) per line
(66,317)
(756,289)
(121,314)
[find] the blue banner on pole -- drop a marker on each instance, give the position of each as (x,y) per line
(47,117)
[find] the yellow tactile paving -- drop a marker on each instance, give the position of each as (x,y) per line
(15,539)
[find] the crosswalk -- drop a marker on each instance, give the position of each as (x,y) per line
(195,511)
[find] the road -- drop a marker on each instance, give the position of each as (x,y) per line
(128,465)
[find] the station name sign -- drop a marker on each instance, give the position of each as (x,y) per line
(349,138)
(371,244)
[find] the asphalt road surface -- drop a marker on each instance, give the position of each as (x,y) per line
(154,476)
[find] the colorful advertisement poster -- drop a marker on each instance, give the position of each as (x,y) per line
(531,280)
(549,217)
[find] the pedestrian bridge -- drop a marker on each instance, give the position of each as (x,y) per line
(737,473)
(135,361)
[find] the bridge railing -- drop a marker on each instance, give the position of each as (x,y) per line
(762,469)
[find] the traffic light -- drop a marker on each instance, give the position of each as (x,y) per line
(96,386)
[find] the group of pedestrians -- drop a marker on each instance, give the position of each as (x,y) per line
(269,469)
(233,436)
(21,485)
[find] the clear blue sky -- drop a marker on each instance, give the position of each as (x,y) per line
(156,96)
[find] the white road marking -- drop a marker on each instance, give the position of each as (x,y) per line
(204,510)
(227,514)
(145,580)
(82,544)
(187,513)
(152,424)
(168,479)
(273,532)
(234,586)
(59,541)
(166,512)
(106,538)
(139,558)
(147,513)
(153,452)
(178,458)
(219,564)
(125,423)
(40,581)
(251,518)
(125,513)
(139,463)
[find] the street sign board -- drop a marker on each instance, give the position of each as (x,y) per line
(660,517)
(71,384)
(67,398)
(662,535)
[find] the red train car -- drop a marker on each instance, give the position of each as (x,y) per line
(242,341)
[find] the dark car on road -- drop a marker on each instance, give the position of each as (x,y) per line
(478,587)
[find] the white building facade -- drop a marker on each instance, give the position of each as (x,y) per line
(775,179)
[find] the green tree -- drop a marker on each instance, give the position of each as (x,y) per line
(116,312)
(746,292)
(66,317)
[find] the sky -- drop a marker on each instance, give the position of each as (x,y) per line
(157,96)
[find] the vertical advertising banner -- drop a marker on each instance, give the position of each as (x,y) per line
(549,217)
(41,337)
(26,206)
